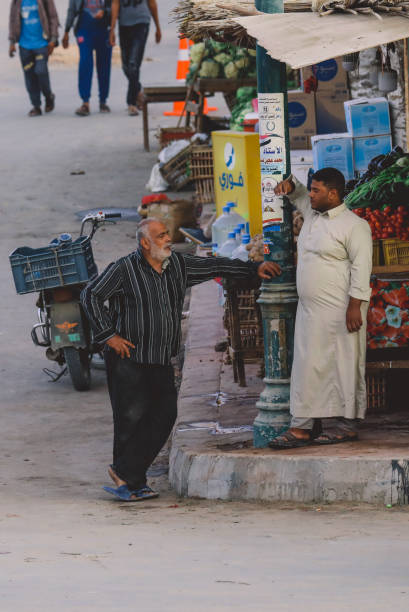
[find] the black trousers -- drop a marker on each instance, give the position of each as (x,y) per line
(133,40)
(144,406)
(36,76)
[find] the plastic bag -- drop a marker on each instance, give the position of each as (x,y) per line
(172,149)
(156,181)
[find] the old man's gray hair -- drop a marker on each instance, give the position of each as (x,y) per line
(142,231)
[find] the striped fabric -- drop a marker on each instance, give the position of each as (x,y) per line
(146,307)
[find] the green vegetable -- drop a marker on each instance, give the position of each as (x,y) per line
(242,62)
(223,58)
(196,52)
(209,69)
(231,71)
(252,52)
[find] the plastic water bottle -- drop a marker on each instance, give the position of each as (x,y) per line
(241,252)
(228,247)
(234,215)
(241,227)
(222,226)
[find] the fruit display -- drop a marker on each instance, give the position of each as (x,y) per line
(389,221)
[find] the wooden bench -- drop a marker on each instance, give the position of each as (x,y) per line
(168,93)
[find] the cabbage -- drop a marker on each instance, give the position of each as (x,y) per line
(223,58)
(209,69)
(217,47)
(242,62)
(231,71)
(196,52)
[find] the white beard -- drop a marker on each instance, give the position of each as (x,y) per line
(160,254)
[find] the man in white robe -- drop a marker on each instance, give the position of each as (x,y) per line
(333,274)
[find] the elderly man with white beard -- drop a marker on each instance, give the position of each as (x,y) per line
(141,333)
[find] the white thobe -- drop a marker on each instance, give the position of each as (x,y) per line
(334,263)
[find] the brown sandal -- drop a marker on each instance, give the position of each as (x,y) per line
(35,112)
(335,438)
(83,110)
(288,440)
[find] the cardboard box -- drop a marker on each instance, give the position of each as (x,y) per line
(367,116)
(330,75)
(329,110)
(301,119)
(367,148)
(301,162)
(334,151)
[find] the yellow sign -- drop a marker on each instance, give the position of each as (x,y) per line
(236,161)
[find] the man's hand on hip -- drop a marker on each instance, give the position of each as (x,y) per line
(354,316)
(268,270)
(120,346)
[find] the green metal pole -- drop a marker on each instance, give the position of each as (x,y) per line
(278,299)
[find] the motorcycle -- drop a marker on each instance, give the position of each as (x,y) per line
(60,272)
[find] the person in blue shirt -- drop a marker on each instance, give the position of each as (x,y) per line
(34,26)
(90,19)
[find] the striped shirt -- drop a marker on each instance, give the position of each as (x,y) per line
(145,307)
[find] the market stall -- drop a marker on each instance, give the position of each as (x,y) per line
(378,189)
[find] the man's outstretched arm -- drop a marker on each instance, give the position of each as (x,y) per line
(202,269)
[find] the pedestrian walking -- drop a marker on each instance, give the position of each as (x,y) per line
(333,272)
(33,24)
(134,21)
(141,332)
(90,20)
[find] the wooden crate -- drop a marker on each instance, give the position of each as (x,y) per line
(177,171)
(202,173)
(168,135)
(243,323)
(395,251)
(376,390)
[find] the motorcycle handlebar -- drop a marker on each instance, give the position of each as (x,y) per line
(113,215)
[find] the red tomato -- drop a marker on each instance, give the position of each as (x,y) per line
(387,209)
(401,209)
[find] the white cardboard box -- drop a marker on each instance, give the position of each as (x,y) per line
(334,151)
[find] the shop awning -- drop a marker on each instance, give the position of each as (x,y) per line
(302,39)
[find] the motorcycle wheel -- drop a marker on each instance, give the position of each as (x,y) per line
(78,363)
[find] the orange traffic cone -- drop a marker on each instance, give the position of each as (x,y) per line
(182,69)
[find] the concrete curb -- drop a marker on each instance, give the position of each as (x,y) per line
(204,462)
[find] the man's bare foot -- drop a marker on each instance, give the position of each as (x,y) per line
(118,481)
(301,434)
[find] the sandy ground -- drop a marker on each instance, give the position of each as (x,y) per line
(64,545)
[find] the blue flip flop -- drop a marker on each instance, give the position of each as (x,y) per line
(145,493)
(121,492)
(125,494)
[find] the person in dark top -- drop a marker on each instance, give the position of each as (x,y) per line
(141,332)
(33,24)
(90,19)
(134,21)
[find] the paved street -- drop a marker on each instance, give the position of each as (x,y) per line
(64,545)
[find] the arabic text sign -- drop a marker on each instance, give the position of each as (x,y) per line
(272,154)
(227,181)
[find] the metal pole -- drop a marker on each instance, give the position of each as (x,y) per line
(278,299)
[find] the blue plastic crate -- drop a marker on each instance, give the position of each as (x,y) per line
(45,268)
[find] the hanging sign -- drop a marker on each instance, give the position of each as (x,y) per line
(272,154)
